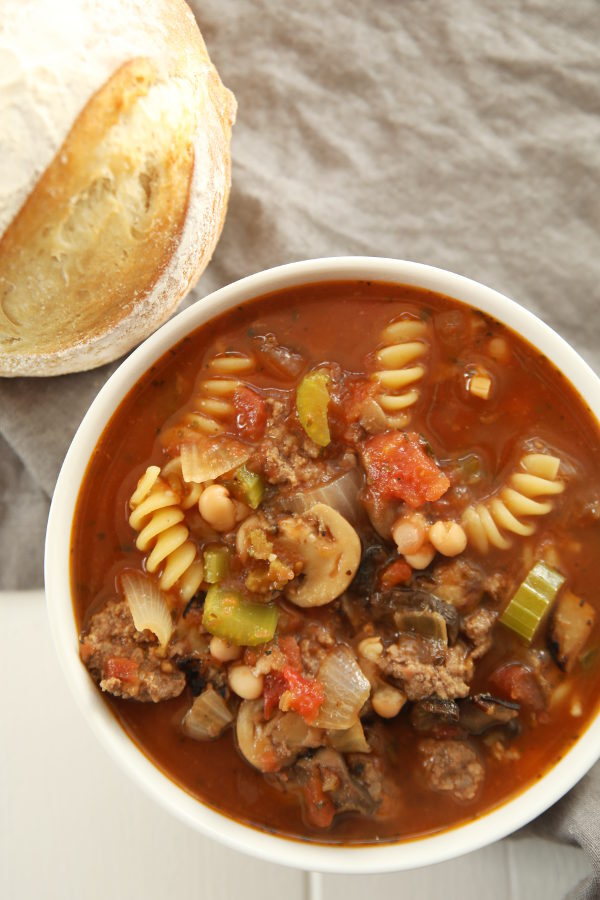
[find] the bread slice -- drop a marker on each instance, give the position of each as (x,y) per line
(128,210)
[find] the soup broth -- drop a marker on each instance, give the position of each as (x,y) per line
(381,616)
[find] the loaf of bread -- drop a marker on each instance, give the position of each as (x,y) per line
(114,175)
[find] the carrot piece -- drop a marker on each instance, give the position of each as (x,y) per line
(397,572)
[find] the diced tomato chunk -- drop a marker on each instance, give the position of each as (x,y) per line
(289,647)
(399,468)
(397,572)
(250,413)
(516,682)
(307,695)
(319,808)
(273,687)
(357,394)
(126,670)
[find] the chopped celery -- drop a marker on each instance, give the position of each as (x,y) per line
(312,400)
(251,486)
(216,564)
(229,616)
(532,600)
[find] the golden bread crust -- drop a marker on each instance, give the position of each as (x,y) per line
(125,217)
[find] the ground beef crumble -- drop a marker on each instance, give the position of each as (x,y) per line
(478,627)
(452,767)
(421,674)
(146,675)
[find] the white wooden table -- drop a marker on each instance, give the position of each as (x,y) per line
(73,826)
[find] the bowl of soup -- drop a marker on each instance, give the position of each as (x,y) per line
(322,565)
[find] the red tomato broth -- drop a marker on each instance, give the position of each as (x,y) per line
(530,399)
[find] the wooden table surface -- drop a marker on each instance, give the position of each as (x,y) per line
(74,826)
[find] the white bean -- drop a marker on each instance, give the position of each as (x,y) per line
(422,558)
(409,533)
(217,508)
(499,349)
(388,701)
(245,683)
(370,648)
(448,538)
(223,650)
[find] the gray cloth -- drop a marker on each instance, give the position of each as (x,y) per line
(462,134)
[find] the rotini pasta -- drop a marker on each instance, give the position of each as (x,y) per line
(212,406)
(398,370)
(485,523)
(213,402)
(158,517)
(189,491)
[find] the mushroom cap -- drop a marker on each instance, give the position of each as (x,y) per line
(330,550)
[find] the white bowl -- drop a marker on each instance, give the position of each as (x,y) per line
(350,859)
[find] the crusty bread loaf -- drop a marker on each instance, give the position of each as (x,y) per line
(114,175)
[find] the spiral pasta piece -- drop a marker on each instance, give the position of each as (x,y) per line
(398,370)
(486,523)
(213,405)
(157,516)
(189,491)
(213,401)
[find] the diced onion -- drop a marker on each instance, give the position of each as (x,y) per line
(341,494)
(351,740)
(208,458)
(294,732)
(346,690)
(208,716)
(147,605)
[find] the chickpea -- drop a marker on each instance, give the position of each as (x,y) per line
(387,701)
(223,650)
(245,683)
(422,558)
(370,648)
(409,533)
(217,508)
(448,538)
(499,349)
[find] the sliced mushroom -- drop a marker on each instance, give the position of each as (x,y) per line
(243,539)
(330,550)
(572,623)
(347,793)
(424,622)
(271,745)
(420,612)
(482,711)
(427,714)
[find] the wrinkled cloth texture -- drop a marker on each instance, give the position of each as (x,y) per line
(464,135)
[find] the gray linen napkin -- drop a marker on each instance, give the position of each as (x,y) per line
(463,134)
